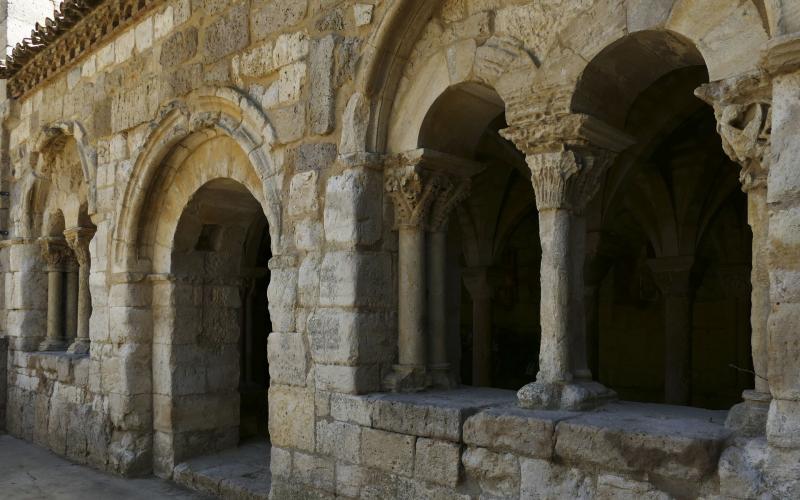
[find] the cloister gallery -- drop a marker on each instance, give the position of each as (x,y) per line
(415,249)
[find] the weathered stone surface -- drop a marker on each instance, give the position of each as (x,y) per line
(291,417)
(686,447)
(497,474)
(438,415)
(437,462)
(544,479)
(352,211)
(514,430)
(388,451)
(228,33)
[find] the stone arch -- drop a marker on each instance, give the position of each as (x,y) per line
(383,67)
(35,186)
(483,73)
(691,25)
(173,221)
(182,124)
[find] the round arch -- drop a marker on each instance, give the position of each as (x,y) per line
(184,124)
(35,185)
(684,31)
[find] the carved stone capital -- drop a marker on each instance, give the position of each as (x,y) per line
(55,252)
(568,154)
(743,109)
(412,193)
(537,134)
(426,185)
(567,179)
(451,193)
(78,239)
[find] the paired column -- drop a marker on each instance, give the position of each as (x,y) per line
(744,121)
(452,192)
(56,256)
(78,240)
(424,186)
(568,155)
(412,194)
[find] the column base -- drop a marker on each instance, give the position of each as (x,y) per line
(407,378)
(574,396)
(80,346)
(441,377)
(53,345)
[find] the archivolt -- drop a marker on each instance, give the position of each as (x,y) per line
(34,185)
(183,124)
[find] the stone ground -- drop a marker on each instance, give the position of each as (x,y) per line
(28,472)
(242,473)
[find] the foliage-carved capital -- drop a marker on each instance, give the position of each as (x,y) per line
(743,109)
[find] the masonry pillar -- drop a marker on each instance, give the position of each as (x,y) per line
(55,253)
(451,193)
(782,64)
(78,240)
(477,282)
(568,155)
(672,275)
(743,108)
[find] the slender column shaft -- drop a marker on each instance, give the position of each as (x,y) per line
(476,280)
(78,239)
(591,306)
(758,218)
(577,318)
(677,331)
(55,327)
(411,307)
(482,340)
(437,296)
(554,356)
(71,307)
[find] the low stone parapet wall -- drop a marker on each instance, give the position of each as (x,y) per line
(51,402)
(476,443)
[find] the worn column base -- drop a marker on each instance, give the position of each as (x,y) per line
(441,377)
(749,418)
(80,346)
(407,378)
(576,395)
(53,345)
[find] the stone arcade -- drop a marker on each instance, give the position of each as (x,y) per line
(451,249)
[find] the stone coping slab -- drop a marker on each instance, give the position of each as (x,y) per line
(434,414)
(669,441)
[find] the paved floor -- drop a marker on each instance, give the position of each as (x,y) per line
(28,472)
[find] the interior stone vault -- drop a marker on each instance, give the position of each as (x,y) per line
(406,249)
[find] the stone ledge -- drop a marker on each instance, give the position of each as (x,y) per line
(436,414)
(512,429)
(668,441)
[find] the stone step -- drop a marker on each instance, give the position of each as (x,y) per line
(241,473)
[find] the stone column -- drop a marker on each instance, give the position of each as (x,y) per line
(70,300)
(55,253)
(412,194)
(450,195)
(568,155)
(78,240)
(477,282)
(672,275)
(744,121)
